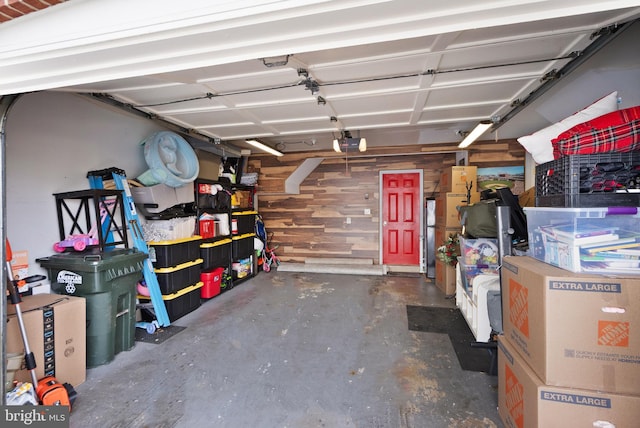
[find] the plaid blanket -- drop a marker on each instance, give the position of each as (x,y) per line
(618,131)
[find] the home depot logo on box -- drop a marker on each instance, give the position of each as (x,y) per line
(612,333)
(514,397)
(519,307)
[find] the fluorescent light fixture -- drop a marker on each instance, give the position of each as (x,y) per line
(480,129)
(348,143)
(264,147)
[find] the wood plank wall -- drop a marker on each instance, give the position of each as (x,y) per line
(313,224)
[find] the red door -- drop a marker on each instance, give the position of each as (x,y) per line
(401,218)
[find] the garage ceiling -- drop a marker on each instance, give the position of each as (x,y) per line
(295,74)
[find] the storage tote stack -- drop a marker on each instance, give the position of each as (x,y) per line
(570,352)
(214,206)
(454,181)
(177,265)
(228,252)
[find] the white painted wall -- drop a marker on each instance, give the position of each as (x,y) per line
(52,141)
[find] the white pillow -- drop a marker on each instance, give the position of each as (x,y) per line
(539,143)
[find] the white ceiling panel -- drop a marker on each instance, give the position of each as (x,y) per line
(366,67)
(479,93)
(375,103)
(213,118)
(282,113)
(471,113)
(239,131)
(259,78)
(385,120)
(316,125)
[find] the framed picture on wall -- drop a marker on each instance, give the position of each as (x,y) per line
(502,176)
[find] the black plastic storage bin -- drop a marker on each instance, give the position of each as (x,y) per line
(180,303)
(243,222)
(176,278)
(574,181)
(243,246)
(164,254)
(216,254)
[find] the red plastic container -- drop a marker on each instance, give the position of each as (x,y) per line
(207,229)
(212,279)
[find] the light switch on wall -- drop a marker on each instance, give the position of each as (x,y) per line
(367,211)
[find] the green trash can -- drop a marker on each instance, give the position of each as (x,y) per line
(107,280)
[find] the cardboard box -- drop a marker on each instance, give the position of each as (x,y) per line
(574,330)
(456,178)
(446,208)
(56,331)
(524,401)
(445,278)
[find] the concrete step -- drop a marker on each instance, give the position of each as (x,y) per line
(332,268)
(337,261)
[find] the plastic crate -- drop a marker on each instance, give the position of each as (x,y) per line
(565,182)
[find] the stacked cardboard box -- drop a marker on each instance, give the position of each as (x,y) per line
(568,356)
(454,182)
(447,215)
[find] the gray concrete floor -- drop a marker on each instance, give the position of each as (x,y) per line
(295,350)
